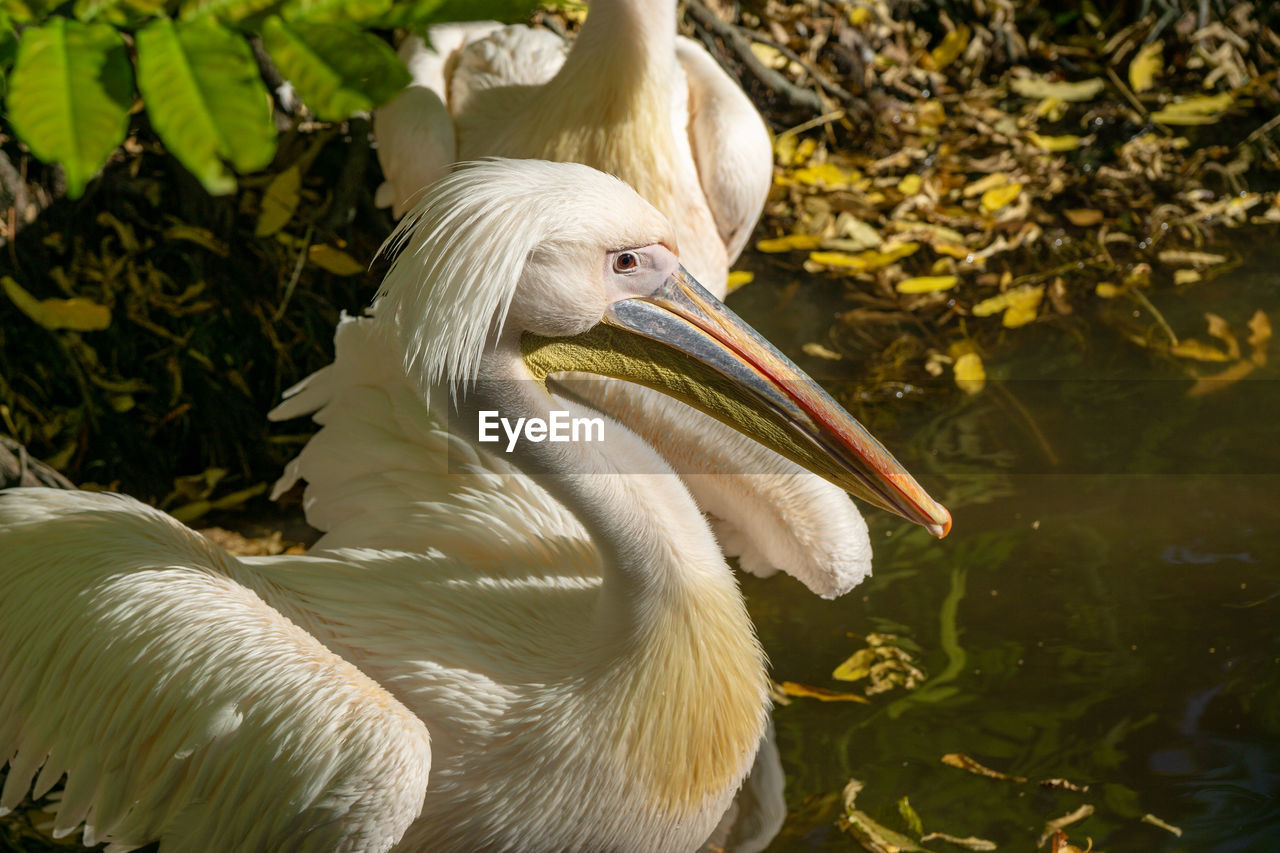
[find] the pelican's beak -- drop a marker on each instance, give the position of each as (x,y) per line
(683,341)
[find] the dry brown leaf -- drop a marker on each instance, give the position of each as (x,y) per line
(1056,824)
(1259,337)
(1224,379)
(1198,350)
(1221,329)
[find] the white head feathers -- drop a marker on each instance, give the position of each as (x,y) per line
(468,242)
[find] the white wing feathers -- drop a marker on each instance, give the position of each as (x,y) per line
(382,472)
(731,146)
(98,594)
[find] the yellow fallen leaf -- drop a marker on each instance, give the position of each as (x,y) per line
(789,242)
(76,313)
(1233,374)
(1019,305)
(951,46)
(997,197)
(1067,142)
(1023,309)
(1083,217)
(971,376)
(1038,87)
(857,666)
(822,175)
(1107,290)
(927,283)
(1147,64)
(738,278)
(768,55)
(1199,109)
(279,201)
(784,148)
(980,186)
(868,260)
(1186,276)
(1197,350)
(819,351)
(822,694)
(910,185)
(953,250)
(859,15)
(334,260)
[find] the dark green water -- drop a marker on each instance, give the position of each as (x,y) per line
(1106,610)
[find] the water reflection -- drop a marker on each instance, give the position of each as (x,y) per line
(1106,610)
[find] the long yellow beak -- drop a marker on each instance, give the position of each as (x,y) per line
(684,342)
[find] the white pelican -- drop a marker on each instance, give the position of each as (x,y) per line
(570,668)
(632,99)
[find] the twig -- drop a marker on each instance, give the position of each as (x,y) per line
(834,115)
(1265,128)
(1133,99)
(818,77)
(799,97)
(1146,303)
(297,273)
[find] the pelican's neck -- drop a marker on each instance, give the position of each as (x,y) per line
(656,547)
(635,36)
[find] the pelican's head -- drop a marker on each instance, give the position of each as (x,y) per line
(584,273)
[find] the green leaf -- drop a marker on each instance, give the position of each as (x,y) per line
(336,11)
(228,11)
(120,13)
(206,99)
(24,11)
(69,95)
(338,70)
(417,13)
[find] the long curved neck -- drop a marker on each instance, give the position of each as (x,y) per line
(624,34)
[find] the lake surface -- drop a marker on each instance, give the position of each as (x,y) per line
(1106,609)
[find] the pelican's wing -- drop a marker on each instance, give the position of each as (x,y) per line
(135,662)
(382,472)
(731,146)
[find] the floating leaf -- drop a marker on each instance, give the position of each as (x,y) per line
(1146,66)
(792,688)
(279,201)
(1221,329)
(910,816)
(971,376)
(206,99)
(1106,290)
(738,278)
(69,95)
(857,666)
(789,242)
(1053,826)
(1199,109)
(1155,821)
(969,843)
(951,46)
(997,197)
(1186,276)
(927,283)
(76,313)
(1194,349)
(964,762)
(819,351)
(334,260)
(1038,87)
(1019,304)
(1067,142)
(337,69)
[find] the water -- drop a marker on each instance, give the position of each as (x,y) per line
(1107,609)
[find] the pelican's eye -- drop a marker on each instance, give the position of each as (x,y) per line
(625,262)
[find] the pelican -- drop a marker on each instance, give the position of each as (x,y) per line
(569,667)
(632,99)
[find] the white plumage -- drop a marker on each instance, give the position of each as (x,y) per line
(572,643)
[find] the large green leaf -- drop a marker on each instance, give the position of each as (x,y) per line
(336,11)
(69,95)
(206,99)
(223,10)
(338,70)
(418,13)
